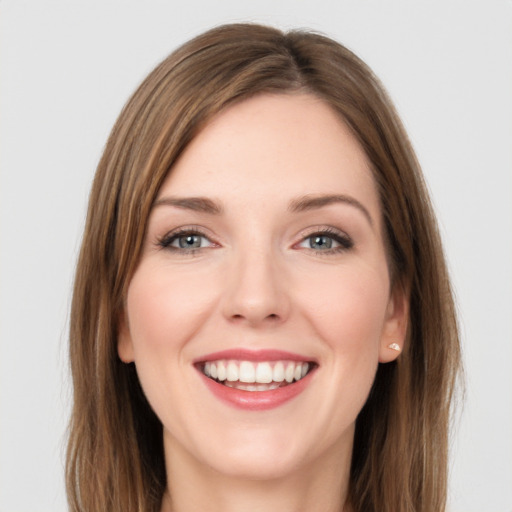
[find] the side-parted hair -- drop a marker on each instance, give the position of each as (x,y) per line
(115,459)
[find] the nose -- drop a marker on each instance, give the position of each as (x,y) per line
(256,293)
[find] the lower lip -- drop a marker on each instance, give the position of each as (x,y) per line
(257,400)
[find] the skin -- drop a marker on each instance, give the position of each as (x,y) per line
(259,281)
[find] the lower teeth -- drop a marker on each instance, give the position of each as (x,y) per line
(255,386)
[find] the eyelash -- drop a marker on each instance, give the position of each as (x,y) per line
(344,241)
(166,241)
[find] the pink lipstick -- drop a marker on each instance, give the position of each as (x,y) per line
(255,380)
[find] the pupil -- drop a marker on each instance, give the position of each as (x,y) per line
(190,241)
(321,242)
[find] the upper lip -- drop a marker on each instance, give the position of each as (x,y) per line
(243,354)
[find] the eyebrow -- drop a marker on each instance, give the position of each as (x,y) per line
(197,204)
(301,204)
(311,202)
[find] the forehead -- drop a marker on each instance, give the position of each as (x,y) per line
(271,147)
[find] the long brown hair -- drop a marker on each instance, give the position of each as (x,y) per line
(115,458)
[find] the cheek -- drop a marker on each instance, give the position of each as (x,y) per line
(346,307)
(164,309)
(349,319)
(349,309)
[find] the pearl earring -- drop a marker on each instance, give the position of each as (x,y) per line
(395,346)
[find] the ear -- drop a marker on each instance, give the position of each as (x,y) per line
(394,331)
(124,340)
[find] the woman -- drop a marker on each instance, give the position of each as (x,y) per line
(262,315)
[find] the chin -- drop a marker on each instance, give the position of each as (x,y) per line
(257,452)
(265,453)
(249,465)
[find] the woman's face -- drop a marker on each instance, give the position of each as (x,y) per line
(262,304)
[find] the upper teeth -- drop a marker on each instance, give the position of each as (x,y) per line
(249,372)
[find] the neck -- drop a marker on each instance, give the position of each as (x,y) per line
(191,487)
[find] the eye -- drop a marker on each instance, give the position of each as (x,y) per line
(190,241)
(327,242)
(320,242)
(185,241)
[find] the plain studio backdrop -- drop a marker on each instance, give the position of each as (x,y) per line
(66,70)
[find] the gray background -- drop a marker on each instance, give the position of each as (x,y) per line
(66,69)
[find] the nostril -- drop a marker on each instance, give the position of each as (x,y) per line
(272,317)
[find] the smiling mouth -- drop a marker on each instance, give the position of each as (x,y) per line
(256,376)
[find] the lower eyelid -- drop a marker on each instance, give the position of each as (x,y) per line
(338,247)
